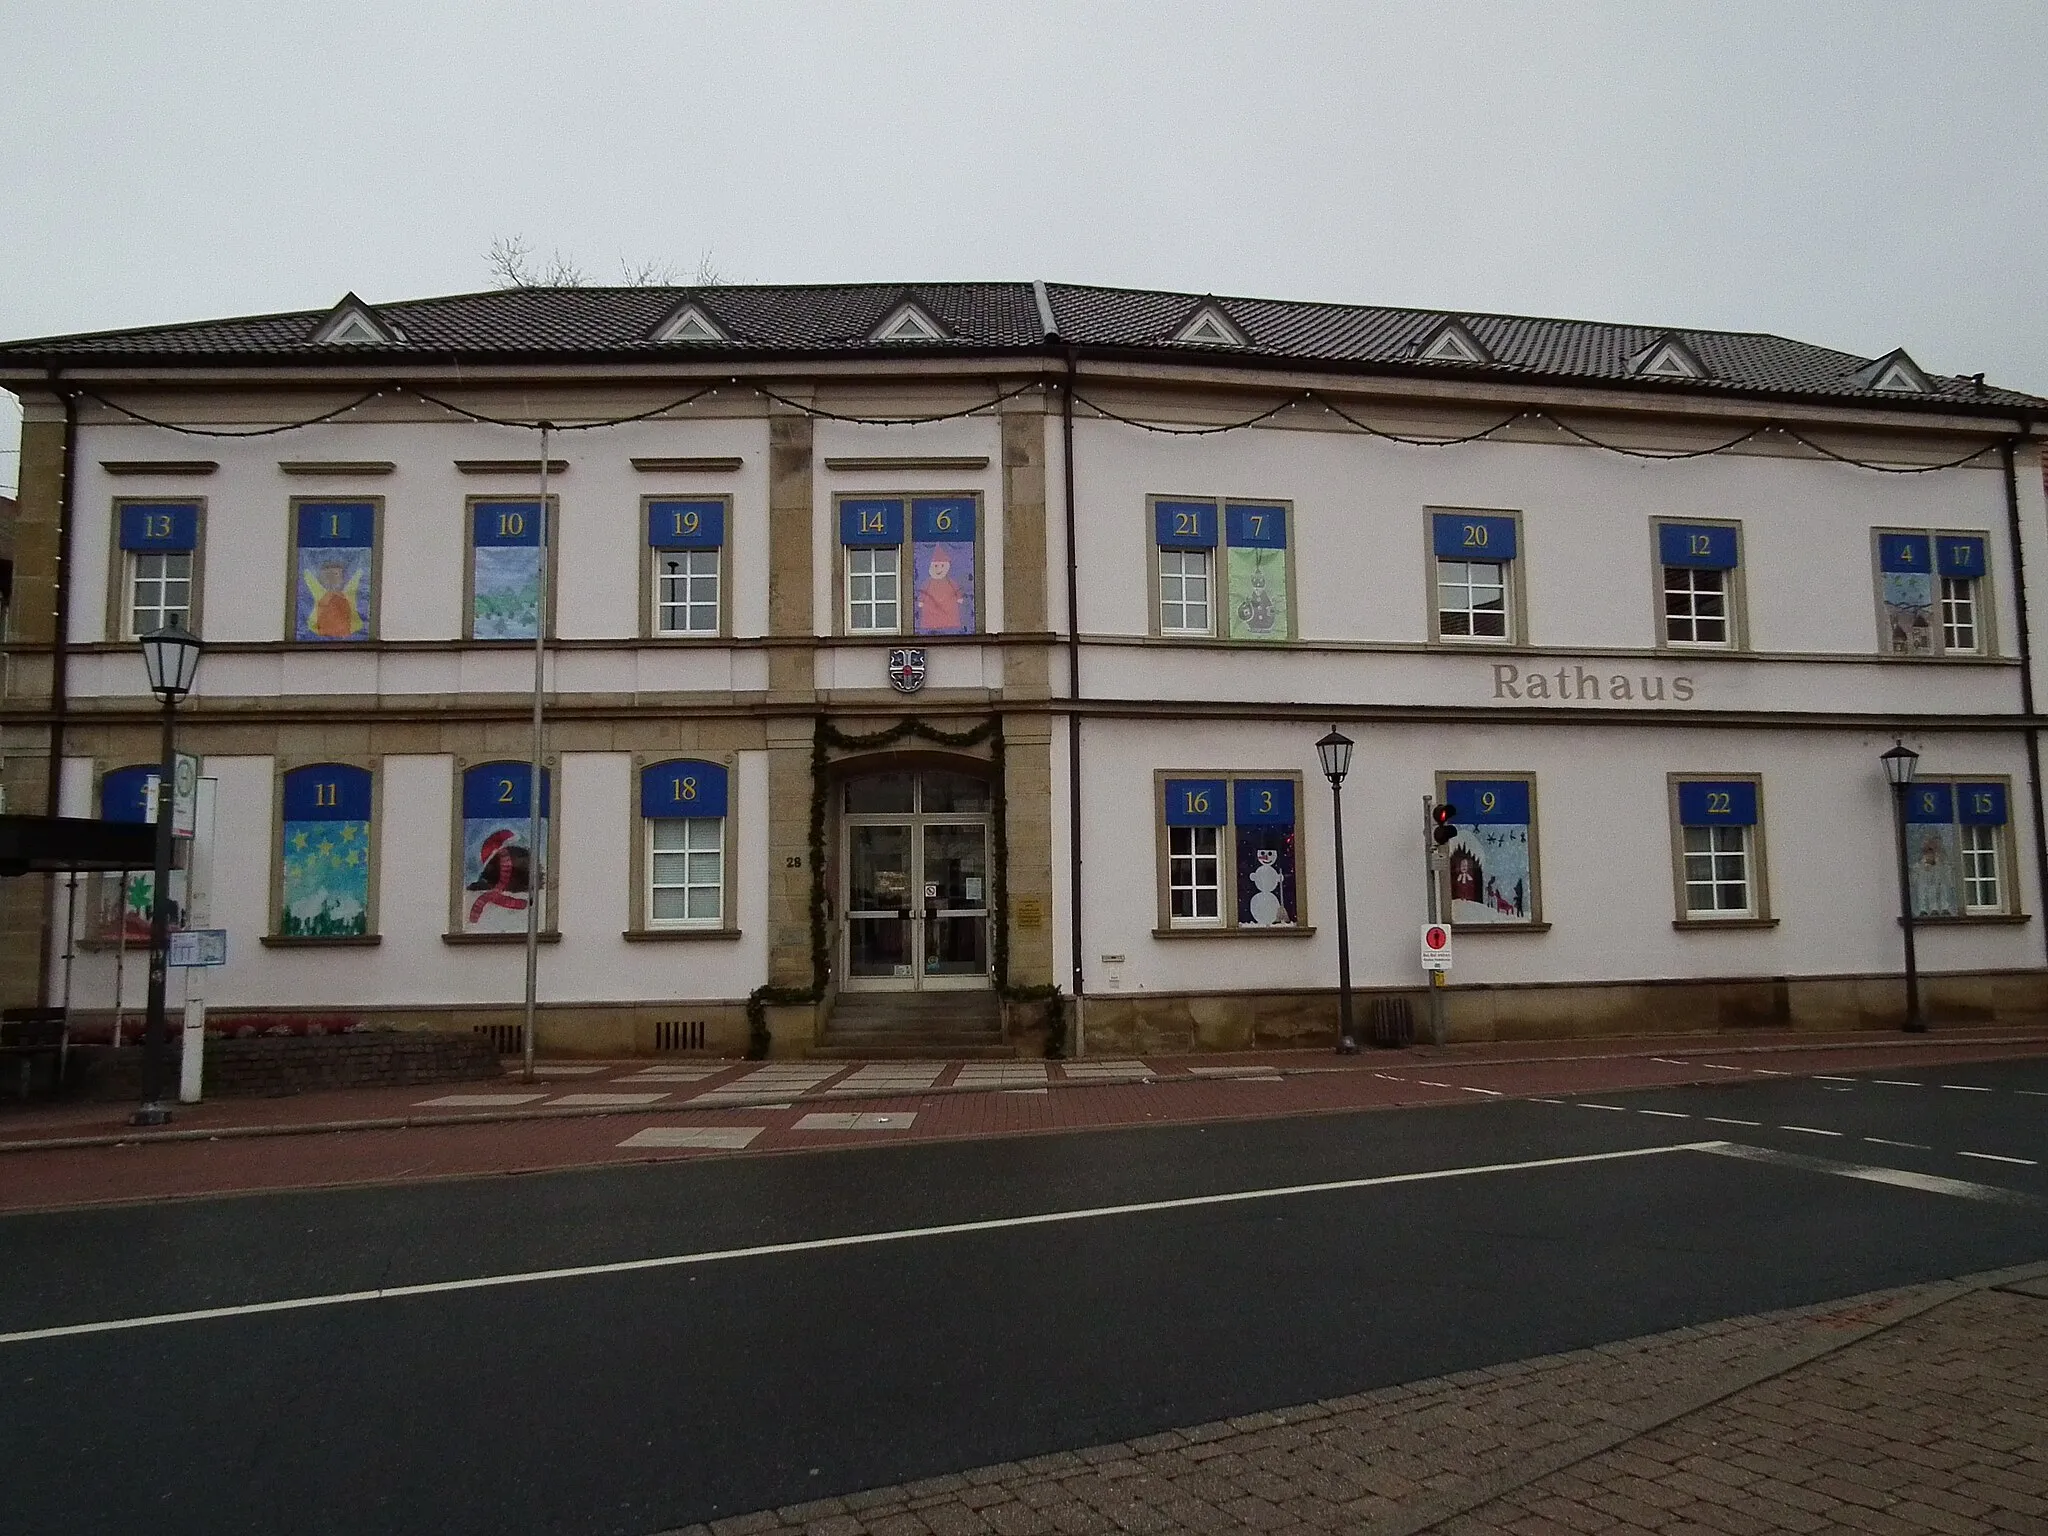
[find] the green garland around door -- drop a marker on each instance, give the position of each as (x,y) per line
(827,738)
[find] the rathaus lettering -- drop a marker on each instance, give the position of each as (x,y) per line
(1575,684)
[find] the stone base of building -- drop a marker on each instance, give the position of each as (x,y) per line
(269,1066)
(1162,1022)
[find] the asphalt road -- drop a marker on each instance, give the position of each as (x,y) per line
(633,1400)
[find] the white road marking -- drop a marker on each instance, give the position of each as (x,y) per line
(1993,1157)
(562,1071)
(870,1120)
(1715,1066)
(1546,1101)
(1820,1079)
(607,1100)
(1426,1083)
(1723,1120)
(1619,1109)
(1491,1093)
(1666,1114)
(726,1138)
(478,1100)
(1926,1182)
(824,1244)
(1882,1141)
(1809,1130)
(2032,1093)
(1898,1082)
(1667,1061)
(1964,1088)
(1768,1072)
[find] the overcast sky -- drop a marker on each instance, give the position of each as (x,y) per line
(1864,174)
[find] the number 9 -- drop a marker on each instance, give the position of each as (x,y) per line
(1486,801)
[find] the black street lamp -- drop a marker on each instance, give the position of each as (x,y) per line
(171,655)
(1335,752)
(1899,765)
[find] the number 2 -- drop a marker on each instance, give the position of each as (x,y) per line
(505,788)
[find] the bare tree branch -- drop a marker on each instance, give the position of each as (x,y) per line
(512,264)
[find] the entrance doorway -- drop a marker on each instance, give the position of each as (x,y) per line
(914,883)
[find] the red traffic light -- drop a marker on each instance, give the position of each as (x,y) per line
(1446,823)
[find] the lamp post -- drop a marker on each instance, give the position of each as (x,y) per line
(1899,765)
(171,655)
(1335,752)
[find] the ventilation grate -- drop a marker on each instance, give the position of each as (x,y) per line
(506,1039)
(679,1034)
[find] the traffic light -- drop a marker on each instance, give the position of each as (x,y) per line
(1446,823)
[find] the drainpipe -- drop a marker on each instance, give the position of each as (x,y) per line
(60,656)
(2030,735)
(1073,700)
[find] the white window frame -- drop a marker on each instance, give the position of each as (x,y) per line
(1682,582)
(1981,841)
(132,628)
(1206,559)
(1504,583)
(884,561)
(711,828)
(1714,852)
(1964,606)
(1191,858)
(699,566)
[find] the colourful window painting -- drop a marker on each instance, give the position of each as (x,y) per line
(499,874)
(123,904)
(325,889)
(1905,563)
(505,569)
(1257,602)
(1954,846)
(333,594)
(1488,870)
(1263,813)
(942,564)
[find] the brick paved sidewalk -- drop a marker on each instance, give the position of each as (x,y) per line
(1901,1413)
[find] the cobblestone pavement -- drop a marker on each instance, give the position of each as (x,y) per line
(1921,1410)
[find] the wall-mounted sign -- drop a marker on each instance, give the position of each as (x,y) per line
(1030,912)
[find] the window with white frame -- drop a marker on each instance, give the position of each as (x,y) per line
(873,579)
(1229,845)
(1697,562)
(1719,874)
(684,805)
(686,591)
(159,591)
(686,544)
(1194,876)
(1956,850)
(1932,592)
(159,544)
(1184,592)
(1474,575)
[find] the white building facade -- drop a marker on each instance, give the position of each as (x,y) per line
(919,660)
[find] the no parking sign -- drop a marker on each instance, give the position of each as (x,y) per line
(1436,946)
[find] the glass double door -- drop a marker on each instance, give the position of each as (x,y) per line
(916,903)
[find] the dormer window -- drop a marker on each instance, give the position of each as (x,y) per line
(909,322)
(354,323)
(1450,342)
(1667,358)
(689,324)
(1208,326)
(1894,374)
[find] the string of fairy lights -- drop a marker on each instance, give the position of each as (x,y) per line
(1292,402)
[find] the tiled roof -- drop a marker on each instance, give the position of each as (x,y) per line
(984,318)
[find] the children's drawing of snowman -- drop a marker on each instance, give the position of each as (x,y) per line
(1266,880)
